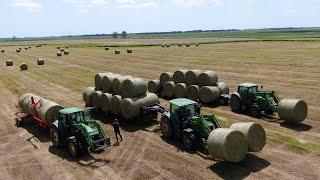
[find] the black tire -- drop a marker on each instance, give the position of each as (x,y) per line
(55,137)
(255,111)
(19,122)
(73,147)
(223,101)
(188,140)
(235,103)
(165,127)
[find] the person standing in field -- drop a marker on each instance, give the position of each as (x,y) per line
(116,128)
(198,107)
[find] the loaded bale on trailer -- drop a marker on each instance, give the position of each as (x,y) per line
(98,79)
(23,67)
(117,83)
(254,133)
(154,86)
(96,99)
(40,61)
(191,77)
(168,89)
(115,105)
(9,62)
(107,81)
(87,96)
(227,144)
(130,107)
(209,94)
(207,78)
(106,102)
(179,76)
(193,92)
(166,77)
(133,87)
(180,90)
(293,110)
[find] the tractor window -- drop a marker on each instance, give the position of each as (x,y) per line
(243,90)
(77,117)
(191,110)
(253,89)
(174,108)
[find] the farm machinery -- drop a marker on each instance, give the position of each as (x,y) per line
(70,127)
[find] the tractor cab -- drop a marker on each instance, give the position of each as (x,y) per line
(71,115)
(245,89)
(182,108)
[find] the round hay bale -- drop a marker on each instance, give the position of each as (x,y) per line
(129,51)
(59,54)
(133,87)
(66,47)
(117,83)
(163,45)
(115,105)
(87,95)
(209,94)
(192,77)
(130,107)
(167,45)
(40,61)
(180,90)
(58,47)
(23,67)
(105,102)
(179,76)
(96,99)
(207,78)
(168,89)
(2,50)
(293,110)
(18,50)
(224,89)
(66,52)
(180,45)
(187,45)
(154,86)
(227,144)
(61,50)
(166,77)
(9,62)
(197,44)
(106,48)
(254,134)
(117,51)
(98,79)
(193,92)
(107,81)
(23,101)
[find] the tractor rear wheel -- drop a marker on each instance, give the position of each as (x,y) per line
(235,103)
(73,147)
(55,137)
(165,127)
(188,140)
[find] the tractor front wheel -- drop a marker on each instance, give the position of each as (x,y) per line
(165,127)
(235,103)
(55,137)
(19,122)
(73,147)
(255,111)
(188,140)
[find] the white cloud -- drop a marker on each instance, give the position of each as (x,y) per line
(216,2)
(98,2)
(85,5)
(29,5)
(193,3)
(135,4)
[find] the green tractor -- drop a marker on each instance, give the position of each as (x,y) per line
(78,132)
(185,124)
(249,99)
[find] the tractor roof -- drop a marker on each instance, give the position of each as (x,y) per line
(70,110)
(182,102)
(247,84)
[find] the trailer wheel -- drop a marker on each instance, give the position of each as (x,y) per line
(165,127)
(73,147)
(235,103)
(19,122)
(188,140)
(55,137)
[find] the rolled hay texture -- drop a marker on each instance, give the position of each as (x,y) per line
(166,77)
(180,90)
(66,52)
(224,89)
(59,54)
(207,78)
(209,94)
(106,102)
(130,107)
(254,133)
(154,86)
(23,67)
(18,50)
(107,81)
(9,62)
(227,144)
(168,89)
(96,99)
(129,50)
(117,83)
(193,92)
(179,76)
(87,95)
(98,79)
(133,87)
(293,110)
(40,61)
(192,77)
(48,110)
(115,105)
(117,51)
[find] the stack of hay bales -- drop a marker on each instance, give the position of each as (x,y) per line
(9,62)
(119,95)
(191,84)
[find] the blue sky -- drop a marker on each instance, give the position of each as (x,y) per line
(25,18)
